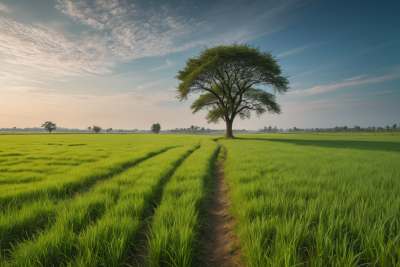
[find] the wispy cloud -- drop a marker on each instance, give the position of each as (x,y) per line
(5,8)
(373,93)
(348,82)
(301,48)
(354,78)
(370,49)
(119,31)
(312,71)
(296,84)
(167,65)
(13,77)
(30,90)
(125,33)
(142,99)
(150,84)
(294,50)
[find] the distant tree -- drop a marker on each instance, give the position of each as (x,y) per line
(394,127)
(155,128)
(96,128)
(202,130)
(49,126)
(387,128)
(225,76)
(89,128)
(357,128)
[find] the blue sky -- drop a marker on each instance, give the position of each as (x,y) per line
(112,63)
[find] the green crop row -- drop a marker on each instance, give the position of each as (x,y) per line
(174,236)
(99,227)
(103,158)
(310,200)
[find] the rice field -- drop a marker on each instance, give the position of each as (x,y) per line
(316,200)
(298,199)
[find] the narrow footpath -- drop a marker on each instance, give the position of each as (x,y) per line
(221,244)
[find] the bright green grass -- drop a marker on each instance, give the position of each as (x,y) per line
(317,199)
(31,168)
(118,204)
(52,204)
(175,232)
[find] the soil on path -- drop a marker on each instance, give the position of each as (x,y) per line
(223,248)
(138,259)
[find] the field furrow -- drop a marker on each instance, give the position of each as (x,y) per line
(66,185)
(78,230)
(19,224)
(175,231)
(146,200)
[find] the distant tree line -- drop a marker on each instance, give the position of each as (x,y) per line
(201,130)
(387,128)
(68,130)
(269,129)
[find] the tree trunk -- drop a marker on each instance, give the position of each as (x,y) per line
(229,132)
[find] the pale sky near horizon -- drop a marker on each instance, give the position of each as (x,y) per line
(112,62)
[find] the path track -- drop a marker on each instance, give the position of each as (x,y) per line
(220,240)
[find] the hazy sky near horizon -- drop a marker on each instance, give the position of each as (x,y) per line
(112,62)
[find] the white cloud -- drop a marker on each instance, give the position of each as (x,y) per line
(294,50)
(47,50)
(5,8)
(119,32)
(10,76)
(125,34)
(370,49)
(150,84)
(348,82)
(142,99)
(145,99)
(354,78)
(167,65)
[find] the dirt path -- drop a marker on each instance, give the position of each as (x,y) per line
(138,258)
(221,243)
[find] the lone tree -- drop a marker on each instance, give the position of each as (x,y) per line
(96,128)
(225,76)
(49,126)
(155,128)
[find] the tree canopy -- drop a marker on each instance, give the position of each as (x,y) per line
(155,128)
(226,75)
(49,126)
(97,129)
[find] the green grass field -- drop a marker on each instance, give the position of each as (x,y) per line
(299,199)
(321,200)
